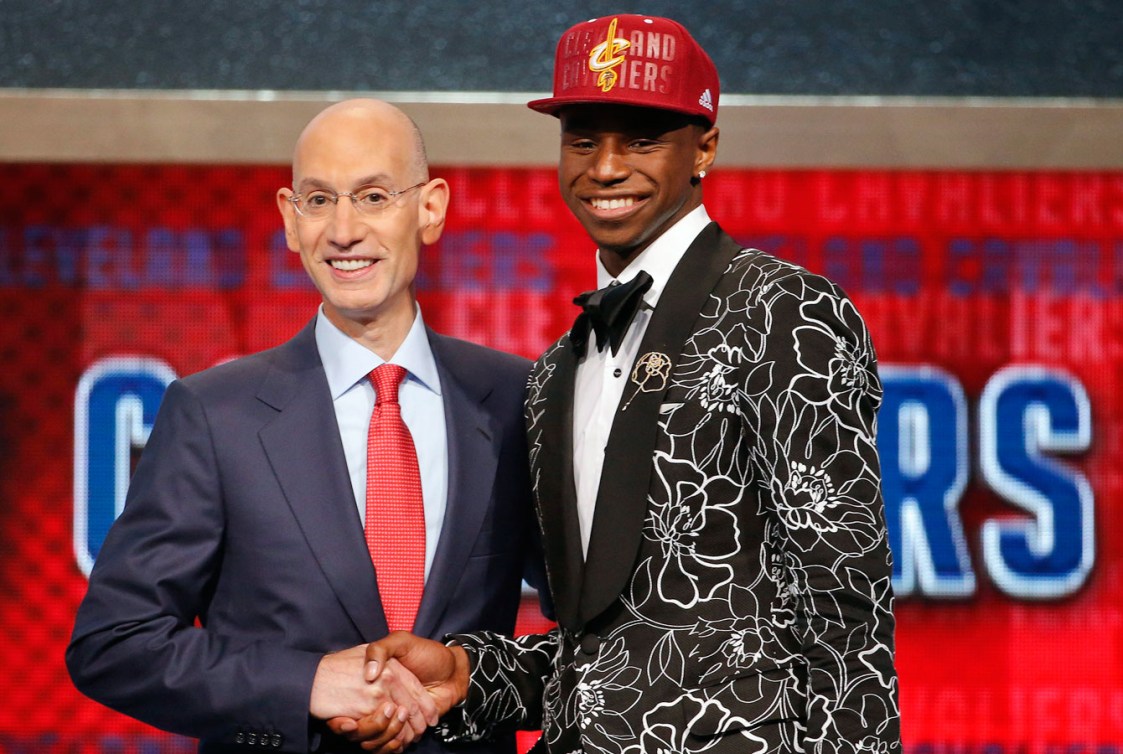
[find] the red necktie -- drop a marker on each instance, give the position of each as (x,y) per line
(395,521)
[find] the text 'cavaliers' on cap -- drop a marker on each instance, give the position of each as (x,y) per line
(644,61)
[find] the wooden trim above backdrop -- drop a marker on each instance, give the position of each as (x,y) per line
(487,128)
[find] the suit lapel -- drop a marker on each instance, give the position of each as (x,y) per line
(304,449)
(551,448)
(622,498)
(472,460)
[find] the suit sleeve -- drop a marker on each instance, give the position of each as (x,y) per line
(817,460)
(136,645)
(506,686)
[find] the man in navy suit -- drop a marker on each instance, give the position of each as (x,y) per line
(233,598)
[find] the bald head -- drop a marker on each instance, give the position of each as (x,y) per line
(359,126)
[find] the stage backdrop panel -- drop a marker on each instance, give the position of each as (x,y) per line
(994,299)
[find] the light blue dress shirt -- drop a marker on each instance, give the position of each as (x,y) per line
(347,365)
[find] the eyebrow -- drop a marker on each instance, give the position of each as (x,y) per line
(375,179)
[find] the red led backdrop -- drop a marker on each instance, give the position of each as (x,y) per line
(995,302)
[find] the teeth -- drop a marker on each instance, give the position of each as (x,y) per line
(350,265)
(620,203)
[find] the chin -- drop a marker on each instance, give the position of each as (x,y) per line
(620,245)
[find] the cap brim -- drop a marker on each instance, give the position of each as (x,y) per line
(551,105)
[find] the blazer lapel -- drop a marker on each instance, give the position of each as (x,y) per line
(622,499)
(472,461)
(306,454)
(550,409)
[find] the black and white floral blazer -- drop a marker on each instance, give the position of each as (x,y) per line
(736,595)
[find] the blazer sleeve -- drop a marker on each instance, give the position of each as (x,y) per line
(506,686)
(137,645)
(817,460)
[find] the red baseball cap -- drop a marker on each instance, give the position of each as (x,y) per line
(644,61)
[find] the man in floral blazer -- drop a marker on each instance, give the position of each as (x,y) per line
(705,471)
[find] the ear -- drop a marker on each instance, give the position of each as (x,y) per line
(431,210)
(707,150)
(288,214)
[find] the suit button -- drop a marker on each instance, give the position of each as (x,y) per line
(277,740)
(251,738)
(239,737)
(590,643)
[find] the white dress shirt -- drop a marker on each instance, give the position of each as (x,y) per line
(601,376)
(347,365)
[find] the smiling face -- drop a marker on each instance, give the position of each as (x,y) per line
(630,173)
(364,265)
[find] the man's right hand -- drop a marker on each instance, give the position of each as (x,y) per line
(442,671)
(341,695)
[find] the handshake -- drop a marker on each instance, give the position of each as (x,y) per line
(385,694)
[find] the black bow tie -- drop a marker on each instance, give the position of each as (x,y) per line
(608,312)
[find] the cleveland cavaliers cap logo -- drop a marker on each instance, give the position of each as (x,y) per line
(606,57)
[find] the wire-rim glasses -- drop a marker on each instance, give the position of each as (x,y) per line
(319,203)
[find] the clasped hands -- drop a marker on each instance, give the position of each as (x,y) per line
(384,696)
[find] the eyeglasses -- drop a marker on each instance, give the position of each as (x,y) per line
(318,204)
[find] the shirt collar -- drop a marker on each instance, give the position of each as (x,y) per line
(346,362)
(660,258)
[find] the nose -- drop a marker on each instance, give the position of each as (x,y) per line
(609,165)
(345,229)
